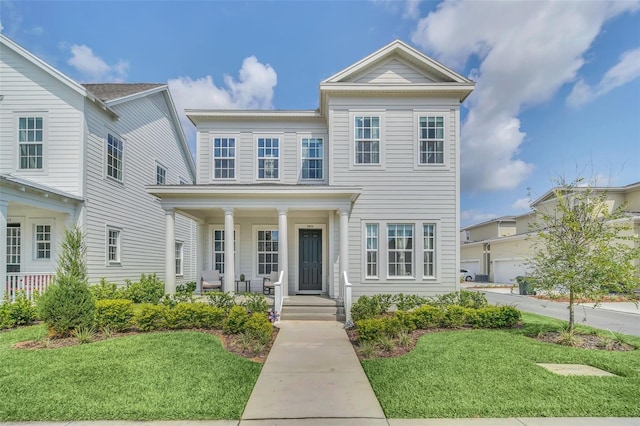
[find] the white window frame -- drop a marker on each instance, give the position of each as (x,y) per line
(322,158)
(279,138)
(426,249)
(161,172)
(368,250)
(118,246)
(447,142)
(214,252)
(36,242)
(43,143)
(179,251)
(107,167)
(256,263)
(412,251)
(380,165)
(12,253)
(221,157)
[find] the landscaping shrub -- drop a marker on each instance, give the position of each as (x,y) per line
(114,314)
(255,303)
(66,305)
(150,317)
(107,290)
(455,316)
(370,307)
(428,317)
(22,311)
(148,290)
(210,317)
(5,316)
(406,302)
(185,292)
(226,301)
(407,320)
(465,298)
(373,329)
(236,320)
(495,317)
(259,328)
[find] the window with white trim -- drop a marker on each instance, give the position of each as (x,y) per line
(429,249)
(224,158)
(268,158)
(113,245)
(43,241)
(431,139)
(218,249)
(161,174)
(114,157)
(31,142)
(267,251)
(367,139)
(312,158)
(14,247)
(179,258)
(400,250)
(372,250)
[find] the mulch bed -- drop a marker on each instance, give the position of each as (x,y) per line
(603,299)
(586,341)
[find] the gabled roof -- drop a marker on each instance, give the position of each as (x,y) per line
(501,219)
(405,52)
(111,91)
(550,194)
(78,88)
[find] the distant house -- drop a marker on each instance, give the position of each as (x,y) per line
(368,184)
(499,248)
(73,154)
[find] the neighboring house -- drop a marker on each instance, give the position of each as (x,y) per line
(367,184)
(73,154)
(503,257)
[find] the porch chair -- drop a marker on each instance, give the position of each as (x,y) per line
(210,280)
(268,283)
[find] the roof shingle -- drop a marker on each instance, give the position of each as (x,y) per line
(110,91)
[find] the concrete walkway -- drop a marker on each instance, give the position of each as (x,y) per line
(312,372)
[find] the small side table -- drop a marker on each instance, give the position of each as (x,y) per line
(247,285)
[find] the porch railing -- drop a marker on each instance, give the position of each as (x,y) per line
(278,294)
(347,299)
(28,282)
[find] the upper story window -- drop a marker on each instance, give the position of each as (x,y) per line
(268,158)
(30,142)
(224,158)
(312,158)
(114,157)
(431,140)
(367,139)
(161,174)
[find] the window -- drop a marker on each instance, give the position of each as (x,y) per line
(161,174)
(267,251)
(113,245)
(367,140)
(431,140)
(218,249)
(372,249)
(43,241)
(13,247)
(429,247)
(224,158)
(114,158)
(179,258)
(268,158)
(312,158)
(30,142)
(400,249)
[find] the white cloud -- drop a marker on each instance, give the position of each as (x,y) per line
(412,9)
(522,204)
(626,70)
(253,89)
(526,51)
(94,67)
(472,217)
(1,26)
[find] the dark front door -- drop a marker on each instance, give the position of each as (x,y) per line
(310,258)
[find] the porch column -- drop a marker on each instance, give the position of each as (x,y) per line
(344,246)
(283,250)
(170,252)
(229,256)
(4,207)
(200,252)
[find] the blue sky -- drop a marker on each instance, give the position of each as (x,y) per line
(557,94)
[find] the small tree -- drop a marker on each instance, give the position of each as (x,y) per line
(72,256)
(584,247)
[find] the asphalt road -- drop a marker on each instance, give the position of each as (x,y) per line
(621,322)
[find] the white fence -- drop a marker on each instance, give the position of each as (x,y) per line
(28,282)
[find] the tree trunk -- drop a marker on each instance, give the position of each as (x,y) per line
(571,314)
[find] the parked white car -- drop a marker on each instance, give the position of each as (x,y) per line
(465,275)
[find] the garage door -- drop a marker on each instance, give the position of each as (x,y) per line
(506,271)
(472,266)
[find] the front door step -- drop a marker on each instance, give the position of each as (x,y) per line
(310,308)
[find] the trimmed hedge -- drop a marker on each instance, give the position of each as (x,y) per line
(235,321)
(259,328)
(115,314)
(150,317)
(195,315)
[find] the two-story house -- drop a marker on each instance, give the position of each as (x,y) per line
(81,155)
(367,184)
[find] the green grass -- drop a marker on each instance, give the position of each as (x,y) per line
(173,375)
(486,373)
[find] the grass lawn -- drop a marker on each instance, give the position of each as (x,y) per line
(483,373)
(172,375)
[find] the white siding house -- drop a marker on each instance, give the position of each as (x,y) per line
(73,154)
(367,185)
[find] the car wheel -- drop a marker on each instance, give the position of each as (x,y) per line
(468,278)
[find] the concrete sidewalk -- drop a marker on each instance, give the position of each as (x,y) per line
(312,372)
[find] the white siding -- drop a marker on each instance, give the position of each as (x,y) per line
(29,90)
(394,71)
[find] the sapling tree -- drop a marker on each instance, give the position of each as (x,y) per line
(585,247)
